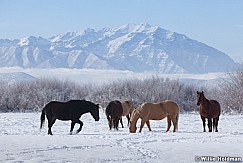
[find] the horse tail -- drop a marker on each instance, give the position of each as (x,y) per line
(42,118)
(108,110)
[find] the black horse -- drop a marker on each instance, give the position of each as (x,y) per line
(71,110)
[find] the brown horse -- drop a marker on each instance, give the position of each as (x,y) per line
(209,109)
(155,111)
(128,108)
(113,113)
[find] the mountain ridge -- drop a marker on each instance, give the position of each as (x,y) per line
(133,47)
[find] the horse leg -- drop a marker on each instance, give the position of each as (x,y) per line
(50,124)
(142,124)
(204,123)
(109,121)
(72,126)
(148,124)
(216,124)
(168,123)
(117,123)
(121,122)
(113,123)
(214,121)
(110,124)
(128,119)
(81,125)
(174,121)
(210,124)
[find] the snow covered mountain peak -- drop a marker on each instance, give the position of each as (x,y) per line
(134,47)
(32,41)
(134,27)
(27,41)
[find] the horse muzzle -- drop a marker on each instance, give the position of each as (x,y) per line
(132,130)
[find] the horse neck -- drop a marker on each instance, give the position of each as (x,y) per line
(134,118)
(83,111)
(204,102)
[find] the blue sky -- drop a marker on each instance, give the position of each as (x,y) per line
(218,23)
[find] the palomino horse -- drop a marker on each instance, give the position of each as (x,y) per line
(155,111)
(113,113)
(209,109)
(71,110)
(128,108)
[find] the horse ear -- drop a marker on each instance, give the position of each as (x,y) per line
(197,92)
(202,92)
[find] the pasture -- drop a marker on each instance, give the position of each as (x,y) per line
(23,141)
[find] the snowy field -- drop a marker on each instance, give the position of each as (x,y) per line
(21,140)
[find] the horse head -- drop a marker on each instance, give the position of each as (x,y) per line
(95,112)
(200,97)
(133,121)
(132,127)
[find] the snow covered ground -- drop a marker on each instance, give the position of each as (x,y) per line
(21,140)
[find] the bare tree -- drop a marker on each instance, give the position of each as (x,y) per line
(231,91)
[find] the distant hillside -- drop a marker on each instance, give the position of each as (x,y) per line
(15,76)
(134,47)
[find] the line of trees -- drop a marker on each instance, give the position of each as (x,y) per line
(33,95)
(25,96)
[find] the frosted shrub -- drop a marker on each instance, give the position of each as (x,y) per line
(231,92)
(33,95)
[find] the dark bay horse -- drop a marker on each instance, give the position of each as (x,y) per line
(114,113)
(209,109)
(71,110)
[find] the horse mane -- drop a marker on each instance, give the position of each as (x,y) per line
(135,116)
(207,101)
(88,102)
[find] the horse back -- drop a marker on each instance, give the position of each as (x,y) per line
(215,108)
(51,107)
(114,109)
(127,107)
(151,111)
(171,107)
(63,110)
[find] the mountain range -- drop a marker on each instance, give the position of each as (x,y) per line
(134,47)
